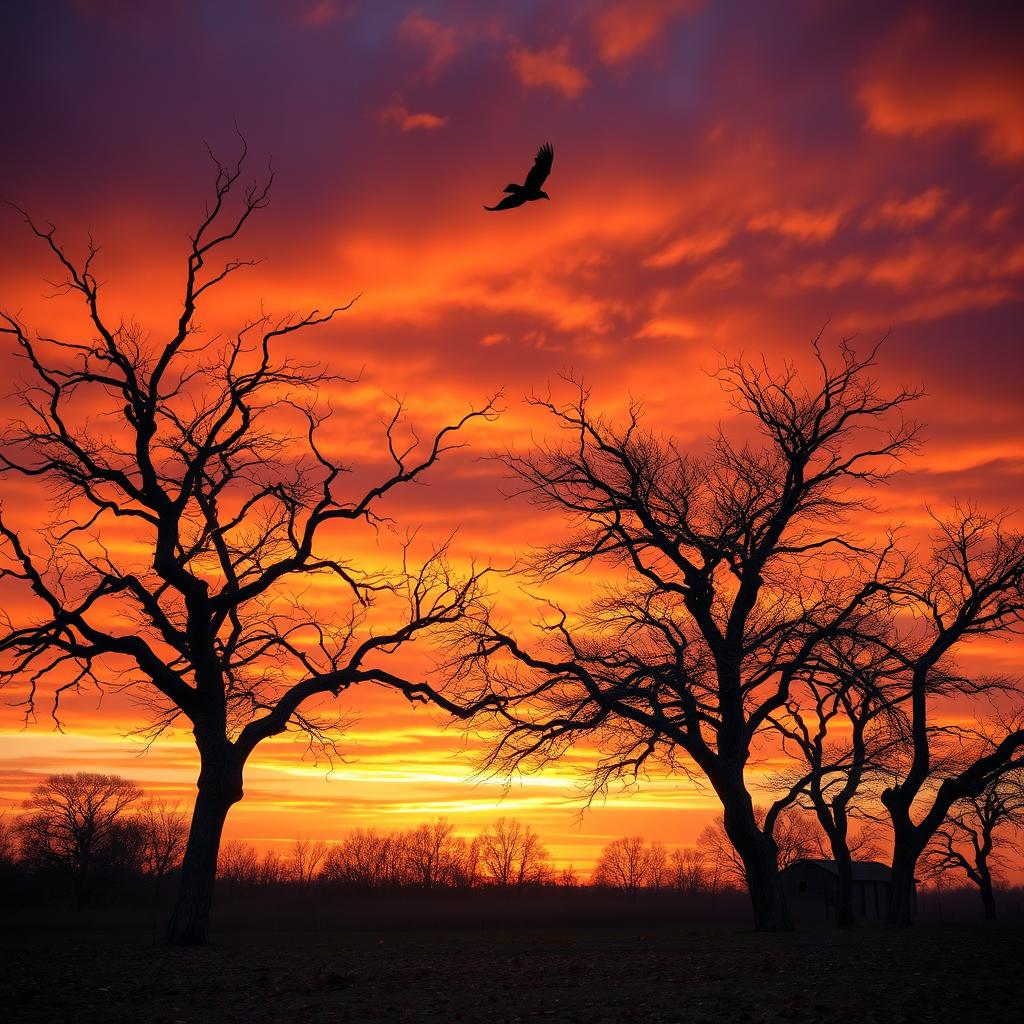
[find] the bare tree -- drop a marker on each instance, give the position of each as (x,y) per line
(724,865)
(567,878)
(796,836)
(434,856)
(687,870)
(468,872)
(625,864)
(972,585)
(307,856)
(969,839)
(365,858)
(164,832)
(722,574)
(839,724)
(238,862)
(271,869)
(75,823)
(8,842)
(793,834)
(210,455)
(657,865)
(512,853)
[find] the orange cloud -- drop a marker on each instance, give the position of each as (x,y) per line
(928,265)
(437,38)
(397,113)
(688,247)
(670,328)
(822,274)
(549,67)
(927,76)
(627,27)
(805,225)
(907,213)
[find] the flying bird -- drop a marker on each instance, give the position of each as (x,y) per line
(531,188)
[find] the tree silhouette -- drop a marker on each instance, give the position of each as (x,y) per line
(434,857)
(365,859)
(78,824)
(512,853)
(794,835)
(630,864)
(163,830)
(307,856)
(8,841)
(238,862)
(688,870)
(972,585)
(210,457)
(840,725)
(969,839)
(722,576)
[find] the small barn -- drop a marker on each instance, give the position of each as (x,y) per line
(812,887)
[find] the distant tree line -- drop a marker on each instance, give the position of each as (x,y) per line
(429,856)
(82,836)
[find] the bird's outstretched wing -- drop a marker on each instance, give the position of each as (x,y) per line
(508,202)
(541,167)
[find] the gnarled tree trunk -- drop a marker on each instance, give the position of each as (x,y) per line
(844,897)
(902,890)
(988,897)
(760,860)
(220,786)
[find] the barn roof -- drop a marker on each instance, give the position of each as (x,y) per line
(863,870)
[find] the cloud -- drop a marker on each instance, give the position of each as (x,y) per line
(627,27)
(929,75)
(397,113)
(810,225)
(909,212)
(688,247)
(718,273)
(927,265)
(549,67)
(673,327)
(824,275)
(324,12)
(437,38)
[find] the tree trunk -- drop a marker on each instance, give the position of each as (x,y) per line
(988,897)
(844,896)
(900,912)
(220,786)
(768,901)
(760,863)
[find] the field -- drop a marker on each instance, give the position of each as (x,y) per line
(103,970)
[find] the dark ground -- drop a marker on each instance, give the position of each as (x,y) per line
(933,972)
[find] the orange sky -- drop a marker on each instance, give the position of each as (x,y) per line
(726,179)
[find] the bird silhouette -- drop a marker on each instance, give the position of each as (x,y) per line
(531,188)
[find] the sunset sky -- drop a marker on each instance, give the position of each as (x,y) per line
(728,178)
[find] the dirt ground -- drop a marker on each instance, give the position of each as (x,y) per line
(597,975)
